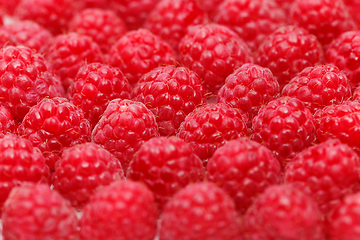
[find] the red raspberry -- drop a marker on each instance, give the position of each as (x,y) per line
(53,125)
(95,86)
(287,51)
(25,80)
(123,210)
(68,53)
(200,211)
(165,165)
(211,126)
(139,52)
(123,128)
(284,126)
(35,212)
(283,212)
(327,171)
(211,7)
(319,86)
(285,4)
(249,88)
(171,93)
(244,169)
(171,18)
(8,7)
(252,20)
(356,95)
(354,6)
(82,170)
(213,51)
(103,26)
(7,122)
(83,4)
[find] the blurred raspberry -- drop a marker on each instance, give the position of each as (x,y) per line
(285,4)
(84,4)
(8,7)
(211,7)
(353,7)
(7,122)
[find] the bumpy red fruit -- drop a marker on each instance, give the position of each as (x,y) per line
(83,170)
(285,4)
(200,211)
(213,51)
(124,127)
(284,126)
(171,93)
(354,6)
(327,171)
(53,125)
(8,7)
(244,169)
(103,26)
(249,88)
(211,7)
(283,212)
(94,86)
(356,95)
(7,122)
(319,86)
(123,210)
(257,20)
(287,51)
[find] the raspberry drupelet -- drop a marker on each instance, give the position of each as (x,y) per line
(7,122)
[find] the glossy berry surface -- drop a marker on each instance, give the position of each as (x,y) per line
(7,122)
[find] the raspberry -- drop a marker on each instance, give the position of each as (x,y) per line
(284,126)
(327,171)
(319,86)
(287,51)
(285,4)
(83,4)
(211,7)
(35,212)
(139,52)
(244,169)
(7,122)
(123,128)
(171,93)
(211,126)
(283,212)
(170,19)
(25,80)
(103,26)
(258,19)
(53,125)
(8,7)
(213,51)
(68,53)
(200,211)
(353,6)
(95,86)
(249,88)
(123,210)
(165,165)
(82,170)
(356,95)
(26,33)
(326,19)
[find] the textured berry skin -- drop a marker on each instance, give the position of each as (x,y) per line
(94,86)
(35,212)
(244,169)
(213,52)
(284,126)
(199,211)
(344,52)
(326,19)
(249,88)
(53,125)
(211,126)
(211,7)
(84,169)
(283,212)
(356,95)
(7,122)
(25,79)
(287,51)
(123,128)
(165,165)
(258,19)
(171,93)
(327,171)
(319,86)
(170,19)
(285,4)
(69,52)
(103,26)
(123,210)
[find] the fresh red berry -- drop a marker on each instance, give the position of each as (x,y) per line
(200,211)
(213,51)
(8,7)
(211,7)
(285,4)
(356,95)
(123,210)
(283,212)
(84,4)
(353,7)
(123,128)
(7,122)
(53,125)
(35,212)
(171,93)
